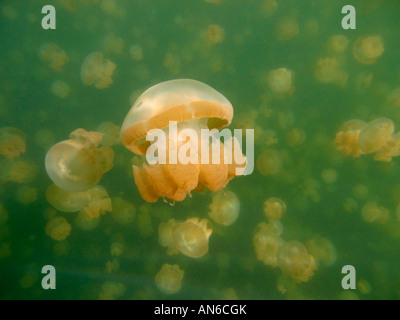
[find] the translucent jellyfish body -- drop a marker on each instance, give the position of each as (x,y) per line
(66,201)
(58,228)
(267,242)
(110,133)
(280,80)
(169,278)
(286,29)
(367,49)
(191,105)
(375,135)
(328,70)
(372,212)
(97,71)
(274,208)
(55,57)
(347,138)
(17,170)
(78,164)
(295,261)
(191,237)
(322,250)
(337,44)
(12,142)
(224,208)
(165,236)
(123,211)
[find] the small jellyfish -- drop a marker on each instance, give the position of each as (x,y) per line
(296,137)
(136,52)
(347,138)
(389,150)
(215,34)
(372,212)
(295,261)
(97,71)
(193,105)
(329,176)
(267,242)
(78,164)
(322,250)
(225,207)
(274,208)
(26,195)
(111,290)
(113,44)
(116,249)
(12,142)
(58,228)
(100,203)
(17,170)
(286,29)
(191,237)
(280,80)
(328,70)
(368,49)
(169,278)
(269,162)
(337,44)
(375,135)
(165,236)
(123,211)
(53,55)
(66,201)
(60,88)
(110,133)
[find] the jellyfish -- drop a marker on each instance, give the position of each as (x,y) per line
(111,290)
(110,133)
(280,80)
(337,44)
(329,176)
(165,236)
(58,228)
(375,135)
(322,249)
(368,49)
(286,29)
(169,278)
(26,195)
(191,237)
(274,208)
(136,52)
(215,34)
(113,44)
(17,170)
(60,88)
(123,211)
(224,208)
(372,212)
(66,201)
(267,242)
(100,203)
(296,137)
(78,164)
(347,138)
(294,260)
(84,223)
(53,55)
(12,142)
(327,70)
(97,71)
(389,150)
(192,105)
(269,162)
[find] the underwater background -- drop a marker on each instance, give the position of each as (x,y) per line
(232,46)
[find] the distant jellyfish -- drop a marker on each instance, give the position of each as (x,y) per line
(286,28)
(368,49)
(123,211)
(136,52)
(269,6)
(84,223)
(280,80)
(58,228)
(97,71)
(347,138)
(110,133)
(372,212)
(12,142)
(111,290)
(165,236)
(337,44)
(328,70)
(375,135)
(53,55)
(100,203)
(17,170)
(269,162)
(274,208)
(329,176)
(60,88)
(266,243)
(389,150)
(294,260)
(224,208)
(78,164)
(191,237)
(296,137)
(169,278)
(113,44)
(193,105)
(322,249)
(26,194)
(215,34)
(66,201)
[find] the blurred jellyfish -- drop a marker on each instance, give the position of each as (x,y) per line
(165,236)
(266,243)
(322,250)
(100,203)
(269,162)
(84,223)
(12,142)
(375,135)
(367,49)
(136,52)
(26,195)
(110,133)
(215,34)
(372,212)
(286,29)
(274,208)
(58,228)
(329,176)
(327,70)
(280,80)
(111,290)
(78,164)
(169,278)
(53,55)
(17,170)
(194,105)
(60,88)
(113,44)
(66,201)
(347,138)
(389,150)
(123,211)
(116,249)
(97,71)
(295,261)
(191,237)
(225,207)
(337,44)
(269,6)
(296,137)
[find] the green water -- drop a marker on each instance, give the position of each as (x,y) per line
(173,38)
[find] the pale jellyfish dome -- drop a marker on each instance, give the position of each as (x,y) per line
(375,135)
(280,80)
(191,237)
(174,100)
(58,228)
(66,201)
(337,44)
(123,211)
(169,278)
(73,167)
(367,49)
(224,208)
(97,71)
(274,208)
(12,142)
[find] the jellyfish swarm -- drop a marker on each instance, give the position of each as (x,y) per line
(78,164)
(191,105)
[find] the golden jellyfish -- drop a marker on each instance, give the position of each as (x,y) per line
(368,49)
(296,137)
(280,80)
(372,212)
(269,6)
(97,71)
(322,250)
(269,162)
(294,260)
(100,203)
(12,142)
(113,44)
(329,176)
(110,133)
(165,236)
(375,135)
(347,138)
(123,211)
(58,228)
(215,34)
(17,170)
(389,150)
(286,29)
(53,55)
(274,208)
(78,164)
(328,70)
(192,106)
(267,242)
(66,201)
(169,278)
(60,88)
(111,290)
(26,195)
(224,208)
(191,237)
(337,44)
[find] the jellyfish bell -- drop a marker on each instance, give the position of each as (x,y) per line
(346,139)
(390,150)
(66,201)
(224,208)
(12,142)
(274,208)
(169,278)
(368,49)
(375,135)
